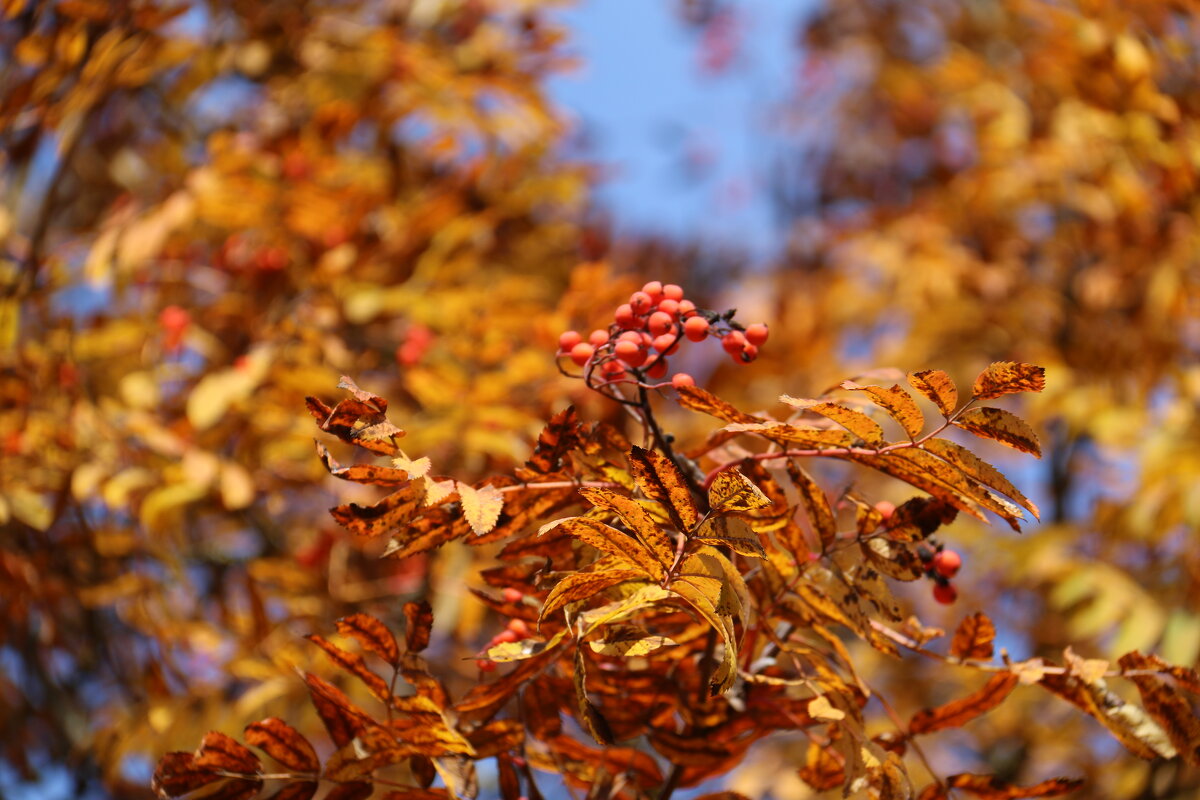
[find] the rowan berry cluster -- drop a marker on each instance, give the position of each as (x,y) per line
(651,326)
(940,566)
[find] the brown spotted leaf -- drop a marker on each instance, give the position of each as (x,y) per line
(938,387)
(697,399)
(579,586)
(816,504)
(1169,706)
(1002,426)
(1127,722)
(219,751)
(283,743)
(852,420)
(896,402)
(589,715)
(959,712)
(342,718)
(372,635)
(355,790)
(974,638)
(625,549)
(362,473)
(990,787)
(732,532)
(355,665)
(659,479)
(481,506)
(419,627)
(562,434)
(392,512)
(627,641)
(733,491)
(637,519)
(1008,377)
(177,774)
(496,737)
(822,769)
(976,468)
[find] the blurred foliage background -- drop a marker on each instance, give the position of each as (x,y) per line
(209,210)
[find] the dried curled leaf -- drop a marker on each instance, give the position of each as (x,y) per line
(990,787)
(589,715)
(419,627)
(974,638)
(1169,707)
(959,712)
(1008,377)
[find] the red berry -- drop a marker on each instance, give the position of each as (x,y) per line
(748,354)
(885,509)
(598,337)
(174,319)
(696,329)
(945,593)
(505,636)
(756,334)
(581,353)
(630,352)
(485,665)
(640,302)
(733,342)
(672,291)
(659,369)
(654,289)
(512,595)
(686,308)
(613,369)
(631,336)
(666,344)
(669,306)
(518,627)
(625,316)
(682,379)
(947,563)
(660,322)
(568,339)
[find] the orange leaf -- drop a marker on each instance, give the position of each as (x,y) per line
(977,469)
(938,387)
(177,774)
(562,434)
(638,519)
(1000,425)
(659,478)
(990,787)
(579,586)
(820,513)
(854,421)
(372,634)
(733,491)
(283,743)
(897,402)
(959,712)
(342,718)
(974,638)
(705,402)
(218,751)
(590,717)
(1168,706)
(419,617)
(1008,377)
(361,473)
(354,664)
(628,551)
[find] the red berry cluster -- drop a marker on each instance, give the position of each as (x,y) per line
(517,630)
(940,566)
(650,327)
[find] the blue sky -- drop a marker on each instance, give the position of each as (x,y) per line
(686,149)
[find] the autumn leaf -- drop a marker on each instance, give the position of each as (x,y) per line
(372,634)
(854,421)
(732,532)
(593,722)
(1169,707)
(1008,377)
(990,787)
(816,504)
(219,752)
(355,665)
(973,638)
(581,586)
(283,743)
(659,478)
(638,520)
(1002,426)
(419,619)
(936,385)
(481,506)
(733,491)
(959,712)
(896,402)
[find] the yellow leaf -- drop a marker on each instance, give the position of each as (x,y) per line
(897,402)
(938,387)
(733,491)
(856,422)
(481,506)
(1008,377)
(1002,426)
(820,708)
